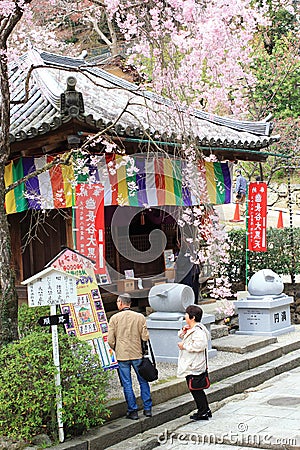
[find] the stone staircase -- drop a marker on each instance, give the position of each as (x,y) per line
(242,362)
(218,331)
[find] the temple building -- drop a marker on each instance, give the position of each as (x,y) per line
(57,103)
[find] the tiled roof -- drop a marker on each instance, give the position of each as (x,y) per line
(108,99)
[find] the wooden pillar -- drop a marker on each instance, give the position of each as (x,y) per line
(69,232)
(16,247)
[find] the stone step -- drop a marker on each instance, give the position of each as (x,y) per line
(218,331)
(183,406)
(167,390)
(118,434)
(171,399)
(238,343)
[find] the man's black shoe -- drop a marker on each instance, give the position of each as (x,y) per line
(148,412)
(209,413)
(133,415)
(197,416)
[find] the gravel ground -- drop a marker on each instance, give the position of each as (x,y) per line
(167,371)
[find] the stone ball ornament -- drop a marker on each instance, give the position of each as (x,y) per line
(265,282)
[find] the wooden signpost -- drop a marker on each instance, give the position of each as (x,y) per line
(52,287)
(60,319)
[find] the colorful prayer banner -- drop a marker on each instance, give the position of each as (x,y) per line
(257,222)
(138,180)
(48,190)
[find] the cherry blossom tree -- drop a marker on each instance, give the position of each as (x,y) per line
(194,52)
(276,66)
(10,14)
(198,52)
(68,26)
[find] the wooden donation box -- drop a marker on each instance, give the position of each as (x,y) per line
(127,285)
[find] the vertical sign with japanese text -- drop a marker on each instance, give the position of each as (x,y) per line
(88,320)
(90,223)
(257,212)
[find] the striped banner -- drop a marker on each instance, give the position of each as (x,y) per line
(49,190)
(138,180)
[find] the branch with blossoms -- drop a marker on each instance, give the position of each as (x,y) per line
(195,54)
(226,309)
(208,244)
(65,158)
(200,228)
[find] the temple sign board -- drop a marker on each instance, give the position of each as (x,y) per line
(51,287)
(88,319)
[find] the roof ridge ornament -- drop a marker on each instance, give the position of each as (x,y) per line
(71,101)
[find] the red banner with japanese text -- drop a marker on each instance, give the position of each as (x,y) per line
(89,228)
(257,221)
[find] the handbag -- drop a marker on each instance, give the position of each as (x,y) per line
(199,382)
(147,369)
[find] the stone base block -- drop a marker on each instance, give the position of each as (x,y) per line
(268,333)
(264,316)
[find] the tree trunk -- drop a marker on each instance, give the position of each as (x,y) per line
(8,293)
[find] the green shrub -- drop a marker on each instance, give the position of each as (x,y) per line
(28,319)
(278,257)
(28,392)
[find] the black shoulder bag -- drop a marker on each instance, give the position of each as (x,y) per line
(147,369)
(199,382)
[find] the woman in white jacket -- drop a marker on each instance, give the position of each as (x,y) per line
(192,356)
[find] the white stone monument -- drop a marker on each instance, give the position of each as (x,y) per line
(266,311)
(169,300)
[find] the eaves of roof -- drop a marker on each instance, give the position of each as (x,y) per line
(141,113)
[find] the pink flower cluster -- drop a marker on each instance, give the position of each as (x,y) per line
(199,52)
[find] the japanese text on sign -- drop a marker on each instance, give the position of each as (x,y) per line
(61,319)
(88,320)
(257,224)
(280,317)
(90,223)
(51,289)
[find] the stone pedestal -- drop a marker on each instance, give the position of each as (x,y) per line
(264,315)
(163,330)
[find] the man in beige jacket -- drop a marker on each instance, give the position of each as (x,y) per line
(127,329)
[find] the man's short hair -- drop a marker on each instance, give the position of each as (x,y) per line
(125,298)
(239,171)
(194,311)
